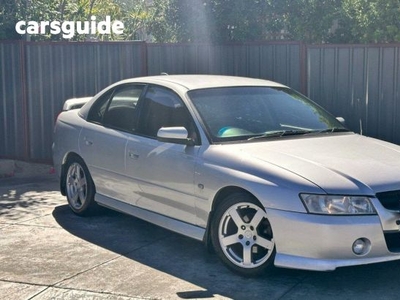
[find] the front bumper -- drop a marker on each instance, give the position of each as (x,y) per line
(323,242)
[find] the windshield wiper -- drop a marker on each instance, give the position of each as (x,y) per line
(334,129)
(279,133)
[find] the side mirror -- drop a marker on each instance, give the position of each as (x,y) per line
(176,135)
(341,120)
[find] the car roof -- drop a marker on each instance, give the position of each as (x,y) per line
(185,83)
(192,82)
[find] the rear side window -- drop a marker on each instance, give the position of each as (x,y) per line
(98,108)
(117,108)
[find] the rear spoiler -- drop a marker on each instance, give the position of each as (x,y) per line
(75,103)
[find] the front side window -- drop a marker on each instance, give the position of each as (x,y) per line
(242,113)
(164,108)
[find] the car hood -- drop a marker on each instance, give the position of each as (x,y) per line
(337,163)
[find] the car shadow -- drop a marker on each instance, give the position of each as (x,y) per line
(190,261)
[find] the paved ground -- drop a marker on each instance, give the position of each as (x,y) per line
(46,252)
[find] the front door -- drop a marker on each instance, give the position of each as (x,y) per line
(165,171)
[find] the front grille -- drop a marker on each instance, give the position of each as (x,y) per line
(390,200)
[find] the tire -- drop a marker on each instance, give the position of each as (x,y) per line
(79,187)
(242,235)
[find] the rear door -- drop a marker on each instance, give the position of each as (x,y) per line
(103,140)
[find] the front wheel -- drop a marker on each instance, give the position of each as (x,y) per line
(79,187)
(242,235)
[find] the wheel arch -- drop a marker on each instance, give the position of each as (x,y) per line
(218,198)
(66,159)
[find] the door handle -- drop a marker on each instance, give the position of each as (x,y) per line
(88,142)
(133,155)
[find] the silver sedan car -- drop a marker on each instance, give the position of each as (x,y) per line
(261,174)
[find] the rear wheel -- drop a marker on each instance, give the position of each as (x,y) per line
(79,187)
(242,235)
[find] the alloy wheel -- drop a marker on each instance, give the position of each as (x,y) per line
(245,235)
(76,186)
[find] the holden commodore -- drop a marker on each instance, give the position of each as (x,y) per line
(260,173)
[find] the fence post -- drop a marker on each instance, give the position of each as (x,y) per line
(303,69)
(145,68)
(24,100)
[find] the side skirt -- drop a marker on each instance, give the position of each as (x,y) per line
(186,229)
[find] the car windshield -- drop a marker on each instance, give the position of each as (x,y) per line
(249,113)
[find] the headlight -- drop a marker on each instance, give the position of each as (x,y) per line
(337,205)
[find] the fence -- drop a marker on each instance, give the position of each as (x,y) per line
(359,83)
(280,62)
(36,78)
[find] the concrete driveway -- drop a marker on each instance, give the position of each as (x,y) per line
(47,252)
